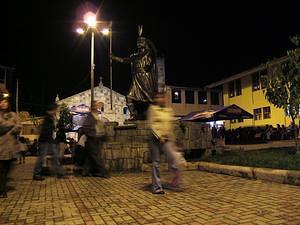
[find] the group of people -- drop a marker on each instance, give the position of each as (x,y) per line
(92,136)
(249,135)
(93,129)
(279,132)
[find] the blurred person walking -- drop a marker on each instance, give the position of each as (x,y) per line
(48,144)
(9,147)
(94,130)
(162,140)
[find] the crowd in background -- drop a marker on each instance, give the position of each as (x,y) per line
(253,135)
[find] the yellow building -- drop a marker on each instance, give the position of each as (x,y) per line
(246,90)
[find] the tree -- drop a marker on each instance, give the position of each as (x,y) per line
(65,120)
(283,84)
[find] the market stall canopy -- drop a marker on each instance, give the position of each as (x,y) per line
(82,108)
(229,112)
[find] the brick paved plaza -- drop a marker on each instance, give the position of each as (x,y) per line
(124,199)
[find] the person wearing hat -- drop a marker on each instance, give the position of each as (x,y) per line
(9,128)
(48,144)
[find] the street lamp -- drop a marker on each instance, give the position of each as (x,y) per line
(80,31)
(91,22)
(90,19)
(105,31)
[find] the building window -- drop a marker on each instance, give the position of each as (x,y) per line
(238,87)
(236,121)
(232,121)
(257,114)
(267,112)
(231,89)
(214,97)
(202,97)
(189,97)
(263,81)
(176,96)
(240,120)
(255,82)
(125,110)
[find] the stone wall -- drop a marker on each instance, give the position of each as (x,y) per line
(124,156)
(126,147)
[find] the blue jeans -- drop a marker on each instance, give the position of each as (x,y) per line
(46,148)
(156,150)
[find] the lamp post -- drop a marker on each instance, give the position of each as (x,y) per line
(92,66)
(90,21)
(108,31)
(110,65)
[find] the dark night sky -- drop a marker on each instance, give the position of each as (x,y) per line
(202,41)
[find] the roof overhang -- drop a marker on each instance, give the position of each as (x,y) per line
(246,73)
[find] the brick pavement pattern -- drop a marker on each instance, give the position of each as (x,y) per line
(124,199)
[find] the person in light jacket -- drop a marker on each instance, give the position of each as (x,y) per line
(162,140)
(9,147)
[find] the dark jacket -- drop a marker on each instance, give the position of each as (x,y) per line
(47,129)
(61,135)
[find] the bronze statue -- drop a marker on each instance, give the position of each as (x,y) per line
(144,76)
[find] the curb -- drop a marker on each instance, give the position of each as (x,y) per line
(291,177)
(273,175)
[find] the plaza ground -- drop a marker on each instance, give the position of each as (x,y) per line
(125,199)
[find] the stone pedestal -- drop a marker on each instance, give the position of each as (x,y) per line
(126,147)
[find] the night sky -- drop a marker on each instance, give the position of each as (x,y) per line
(202,41)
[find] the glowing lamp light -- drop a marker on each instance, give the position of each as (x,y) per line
(79,30)
(5,95)
(105,31)
(90,19)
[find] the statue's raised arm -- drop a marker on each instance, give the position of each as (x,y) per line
(124,60)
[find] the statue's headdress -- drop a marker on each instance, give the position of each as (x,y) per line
(141,41)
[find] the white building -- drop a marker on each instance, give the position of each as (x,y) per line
(119,112)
